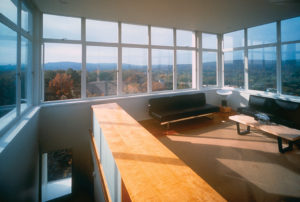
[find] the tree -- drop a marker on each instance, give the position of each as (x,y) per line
(62,84)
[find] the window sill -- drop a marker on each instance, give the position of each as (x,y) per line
(15,128)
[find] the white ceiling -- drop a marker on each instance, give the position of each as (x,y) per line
(215,16)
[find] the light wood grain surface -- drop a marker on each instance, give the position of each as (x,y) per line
(274,129)
(149,170)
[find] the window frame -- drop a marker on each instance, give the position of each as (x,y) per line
(20,32)
(120,45)
(278,44)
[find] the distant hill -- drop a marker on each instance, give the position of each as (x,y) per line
(110,66)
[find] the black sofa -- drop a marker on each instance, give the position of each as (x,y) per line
(176,107)
(279,111)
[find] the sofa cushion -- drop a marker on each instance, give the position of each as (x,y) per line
(279,111)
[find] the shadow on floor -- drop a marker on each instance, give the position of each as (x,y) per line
(240,168)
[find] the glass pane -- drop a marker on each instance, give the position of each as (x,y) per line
(25,72)
(62,71)
(290,29)
(234,39)
(162,36)
(209,68)
(209,41)
(262,34)
(162,69)
(101,71)
(262,69)
(101,31)
(234,69)
(185,69)
(8,65)
(185,38)
(135,34)
(26,19)
(9,9)
(290,71)
(134,70)
(60,27)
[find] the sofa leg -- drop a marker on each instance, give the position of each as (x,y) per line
(242,132)
(282,150)
(168,125)
(211,116)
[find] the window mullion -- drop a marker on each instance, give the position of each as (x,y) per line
(246,83)
(149,72)
(83,59)
(220,62)
(200,65)
(278,56)
(119,71)
(174,61)
(18,72)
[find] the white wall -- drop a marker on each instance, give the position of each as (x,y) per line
(65,125)
(19,160)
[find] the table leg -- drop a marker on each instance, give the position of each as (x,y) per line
(242,132)
(282,150)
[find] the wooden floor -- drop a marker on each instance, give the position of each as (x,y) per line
(240,168)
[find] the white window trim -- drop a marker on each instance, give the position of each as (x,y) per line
(10,119)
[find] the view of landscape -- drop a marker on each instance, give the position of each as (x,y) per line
(59,164)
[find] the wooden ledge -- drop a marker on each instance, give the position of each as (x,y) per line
(149,170)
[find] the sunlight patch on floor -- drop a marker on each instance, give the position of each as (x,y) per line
(271,178)
(263,145)
(59,188)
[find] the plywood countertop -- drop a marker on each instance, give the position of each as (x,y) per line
(149,170)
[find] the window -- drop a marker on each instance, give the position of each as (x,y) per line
(26,77)
(15,77)
(134,34)
(62,71)
(290,71)
(101,31)
(290,29)
(56,174)
(26,17)
(209,68)
(9,9)
(185,38)
(263,34)
(134,70)
(162,36)
(234,39)
(209,41)
(59,27)
(8,70)
(262,69)
(234,69)
(185,69)
(101,71)
(162,69)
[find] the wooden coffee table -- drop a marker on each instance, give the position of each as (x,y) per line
(282,132)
